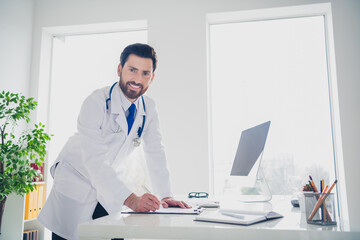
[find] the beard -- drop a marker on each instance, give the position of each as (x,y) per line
(130,94)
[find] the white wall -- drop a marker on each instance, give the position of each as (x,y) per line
(177,30)
(16,19)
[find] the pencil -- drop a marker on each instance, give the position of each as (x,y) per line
(332,186)
(327,217)
(323,209)
(318,203)
(313,184)
(321,200)
(146,189)
(321,186)
(322,205)
(312,189)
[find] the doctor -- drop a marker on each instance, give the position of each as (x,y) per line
(89,172)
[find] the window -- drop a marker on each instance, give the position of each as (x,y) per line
(78,59)
(272,69)
(81,64)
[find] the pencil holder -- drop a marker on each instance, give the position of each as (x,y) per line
(320,214)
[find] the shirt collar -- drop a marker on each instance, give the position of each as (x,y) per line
(126,103)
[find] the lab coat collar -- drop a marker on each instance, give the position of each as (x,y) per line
(140,107)
(116,100)
(118,105)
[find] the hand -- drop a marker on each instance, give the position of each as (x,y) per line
(144,203)
(170,202)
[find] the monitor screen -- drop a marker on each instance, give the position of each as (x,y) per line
(251,145)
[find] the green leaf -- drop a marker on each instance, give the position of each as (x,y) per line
(19,150)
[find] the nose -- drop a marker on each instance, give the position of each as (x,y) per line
(137,78)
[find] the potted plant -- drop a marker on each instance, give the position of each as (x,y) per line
(19,149)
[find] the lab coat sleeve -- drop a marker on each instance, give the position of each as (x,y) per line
(94,152)
(156,157)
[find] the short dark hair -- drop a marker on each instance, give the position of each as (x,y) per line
(140,50)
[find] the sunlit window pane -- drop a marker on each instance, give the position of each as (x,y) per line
(272,70)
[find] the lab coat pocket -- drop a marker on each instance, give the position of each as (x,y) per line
(113,133)
(72,184)
(110,125)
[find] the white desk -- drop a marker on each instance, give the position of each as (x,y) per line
(156,226)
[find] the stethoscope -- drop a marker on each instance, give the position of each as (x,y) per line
(136,141)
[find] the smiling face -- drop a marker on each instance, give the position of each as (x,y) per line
(136,76)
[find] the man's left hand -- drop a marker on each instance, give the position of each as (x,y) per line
(170,202)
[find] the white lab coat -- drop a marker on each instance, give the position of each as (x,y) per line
(91,164)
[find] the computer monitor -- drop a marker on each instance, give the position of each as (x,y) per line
(251,145)
(249,151)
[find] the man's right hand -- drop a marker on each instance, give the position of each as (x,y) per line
(144,203)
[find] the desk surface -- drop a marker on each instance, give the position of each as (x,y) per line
(166,226)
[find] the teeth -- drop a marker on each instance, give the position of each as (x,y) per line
(134,86)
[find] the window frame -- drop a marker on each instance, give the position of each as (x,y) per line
(323,9)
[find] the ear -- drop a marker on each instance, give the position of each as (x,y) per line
(152,78)
(119,69)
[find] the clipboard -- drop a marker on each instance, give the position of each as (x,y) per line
(169,210)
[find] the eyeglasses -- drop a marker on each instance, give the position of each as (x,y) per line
(198,195)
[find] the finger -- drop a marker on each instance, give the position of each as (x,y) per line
(147,207)
(155,207)
(152,205)
(174,203)
(153,198)
(164,204)
(146,204)
(181,204)
(144,209)
(150,201)
(186,205)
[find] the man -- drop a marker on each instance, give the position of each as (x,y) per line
(89,173)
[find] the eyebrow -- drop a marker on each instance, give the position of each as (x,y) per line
(145,71)
(133,67)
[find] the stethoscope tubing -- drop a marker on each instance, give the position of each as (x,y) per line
(140,130)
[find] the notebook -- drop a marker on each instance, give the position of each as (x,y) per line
(237,217)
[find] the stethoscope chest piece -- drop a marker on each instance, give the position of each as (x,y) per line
(137,142)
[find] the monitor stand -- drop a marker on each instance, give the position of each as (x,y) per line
(260,192)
